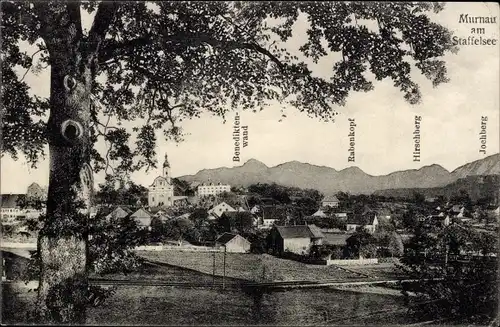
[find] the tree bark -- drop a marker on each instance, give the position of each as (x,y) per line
(62,242)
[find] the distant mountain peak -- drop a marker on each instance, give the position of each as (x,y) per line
(354,169)
(352,179)
(489,165)
(435,167)
(254,163)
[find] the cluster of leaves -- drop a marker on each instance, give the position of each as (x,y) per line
(111,244)
(119,192)
(361,243)
(274,191)
(23,129)
(180,228)
(238,222)
(327,251)
(165,62)
(457,276)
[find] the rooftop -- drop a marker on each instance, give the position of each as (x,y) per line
(226,237)
(300,231)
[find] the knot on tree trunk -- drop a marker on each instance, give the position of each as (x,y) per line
(69,83)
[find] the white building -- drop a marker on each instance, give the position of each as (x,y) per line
(10,207)
(213,189)
(330,201)
(161,192)
(319,213)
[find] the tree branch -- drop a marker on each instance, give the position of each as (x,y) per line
(103,19)
(31,65)
(74,14)
(232,45)
(111,49)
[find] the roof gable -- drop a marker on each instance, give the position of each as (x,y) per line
(225,238)
(315,231)
(331,198)
(221,206)
(366,218)
(141,213)
(301,231)
(319,213)
(10,200)
(119,212)
(159,178)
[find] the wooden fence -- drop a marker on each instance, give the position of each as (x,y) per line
(185,248)
(351,262)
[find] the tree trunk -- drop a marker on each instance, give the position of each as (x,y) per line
(62,242)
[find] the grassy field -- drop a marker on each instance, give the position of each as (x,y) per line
(260,267)
(173,306)
(167,305)
(150,305)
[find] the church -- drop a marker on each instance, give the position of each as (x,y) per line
(161,192)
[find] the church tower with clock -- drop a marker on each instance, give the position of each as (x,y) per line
(161,192)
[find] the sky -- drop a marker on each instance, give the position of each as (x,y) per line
(385,122)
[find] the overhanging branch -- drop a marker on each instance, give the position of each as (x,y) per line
(112,49)
(104,17)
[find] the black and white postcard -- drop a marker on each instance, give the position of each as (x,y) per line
(250,163)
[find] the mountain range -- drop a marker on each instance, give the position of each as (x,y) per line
(477,187)
(353,180)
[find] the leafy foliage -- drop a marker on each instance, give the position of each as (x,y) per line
(116,191)
(162,63)
(457,277)
(360,244)
(111,244)
(237,222)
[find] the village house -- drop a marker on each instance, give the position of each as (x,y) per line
(162,213)
(440,220)
(35,191)
(118,213)
(320,213)
(367,220)
(340,215)
(271,214)
(217,211)
(142,217)
(330,201)
(233,243)
(296,239)
(11,209)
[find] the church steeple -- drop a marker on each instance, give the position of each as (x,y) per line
(166,168)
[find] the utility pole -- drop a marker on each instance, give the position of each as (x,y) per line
(224,269)
(446,260)
(213,274)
